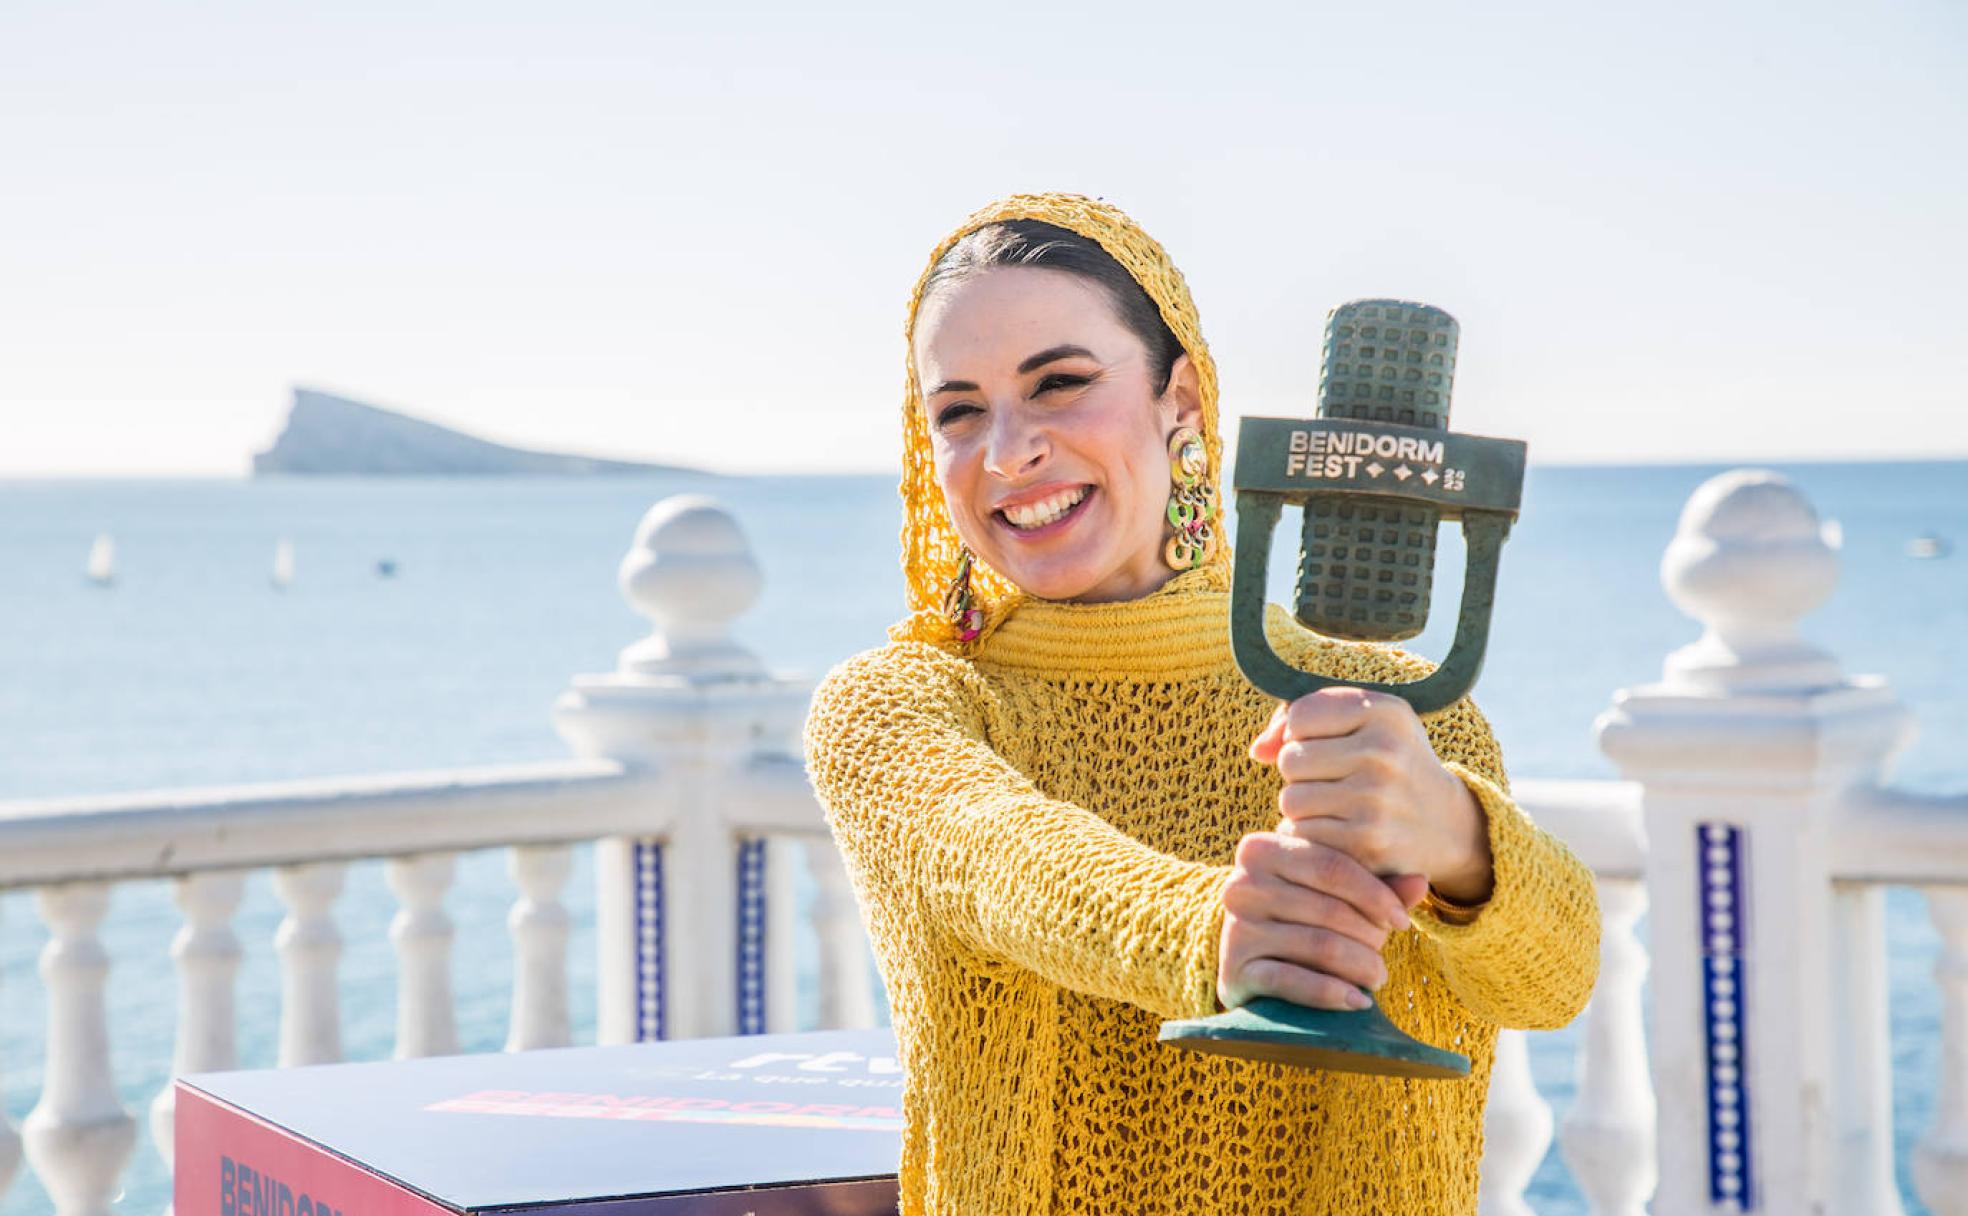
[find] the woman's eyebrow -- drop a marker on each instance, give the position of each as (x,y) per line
(1049,355)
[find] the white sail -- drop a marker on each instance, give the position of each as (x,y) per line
(102,560)
(283,563)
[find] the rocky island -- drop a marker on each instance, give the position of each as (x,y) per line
(330,434)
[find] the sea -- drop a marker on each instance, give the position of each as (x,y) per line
(194,669)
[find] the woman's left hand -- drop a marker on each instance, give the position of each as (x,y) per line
(1361,777)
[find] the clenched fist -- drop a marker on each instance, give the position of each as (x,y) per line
(1361,777)
(1304,922)
(1371,820)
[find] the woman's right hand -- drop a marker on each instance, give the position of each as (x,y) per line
(1305,923)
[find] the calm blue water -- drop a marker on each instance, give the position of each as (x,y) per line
(192,671)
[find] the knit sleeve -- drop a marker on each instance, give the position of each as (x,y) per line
(1528,956)
(930,817)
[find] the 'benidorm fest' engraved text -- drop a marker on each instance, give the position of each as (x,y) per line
(1351,455)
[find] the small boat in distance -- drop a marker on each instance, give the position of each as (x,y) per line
(283,564)
(101,568)
(1927,544)
(386,568)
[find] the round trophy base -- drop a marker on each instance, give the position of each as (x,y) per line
(1336,1040)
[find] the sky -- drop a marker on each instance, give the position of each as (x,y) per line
(1671,232)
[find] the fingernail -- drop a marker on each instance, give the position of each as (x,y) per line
(1356,999)
(1402,920)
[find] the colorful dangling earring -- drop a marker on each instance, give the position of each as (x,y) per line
(957,604)
(1191,504)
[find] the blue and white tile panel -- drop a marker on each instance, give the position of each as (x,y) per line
(751,937)
(648,941)
(1720,850)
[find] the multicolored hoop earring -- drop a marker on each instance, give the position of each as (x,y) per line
(965,616)
(1192,502)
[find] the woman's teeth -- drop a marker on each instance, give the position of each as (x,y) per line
(1039,514)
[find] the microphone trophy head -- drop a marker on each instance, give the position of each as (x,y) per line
(1374,472)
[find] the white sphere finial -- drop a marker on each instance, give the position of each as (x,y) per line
(691,572)
(1749,560)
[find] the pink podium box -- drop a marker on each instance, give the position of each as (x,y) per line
(766,1125)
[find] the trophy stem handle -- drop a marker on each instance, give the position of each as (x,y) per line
(1257,518)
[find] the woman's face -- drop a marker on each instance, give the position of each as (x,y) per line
(1051,443)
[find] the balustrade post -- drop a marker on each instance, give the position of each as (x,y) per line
(310,948)
(1608,1136)
(1516,1130)
(206,952)
(1744,751)
(693,704)
(539,925)
(78,1136)
(1940,1163)
(426,1017)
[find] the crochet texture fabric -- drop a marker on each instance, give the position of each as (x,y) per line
(1038,836)
(1038,825)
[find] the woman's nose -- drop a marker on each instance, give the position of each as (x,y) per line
(1016,447)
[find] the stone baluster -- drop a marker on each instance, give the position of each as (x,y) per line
(78,1136)
(1940,1163)
(1516,1131)
(426,1017)
(1862,1061)
(1744,751)
(1608,1135)
(785,861)
(310,948)
(696,705)
(10,1150)
(206,952)
(539,925)
(847,998)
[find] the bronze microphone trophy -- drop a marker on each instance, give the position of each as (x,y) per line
(1374,473)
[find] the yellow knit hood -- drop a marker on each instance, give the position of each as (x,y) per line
(929,542)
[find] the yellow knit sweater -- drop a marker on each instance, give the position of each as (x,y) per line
(1038,828)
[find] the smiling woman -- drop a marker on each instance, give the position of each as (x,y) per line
(1052,394)
(1060,801)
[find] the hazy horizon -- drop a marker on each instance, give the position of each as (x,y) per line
(1684,234)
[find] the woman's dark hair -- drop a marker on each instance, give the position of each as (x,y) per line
(1050,247)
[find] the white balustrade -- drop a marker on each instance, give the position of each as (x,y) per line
(692,703)
(1608,1135)
(1940,1163)
(1516,1130)
(161,833)
(1753,738)
(1745,750)
(539,925)
(426,1018)
(206,951)
(310,948)
(78,1136)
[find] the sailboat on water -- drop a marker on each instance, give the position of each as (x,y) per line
(101,568)
(283,564)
